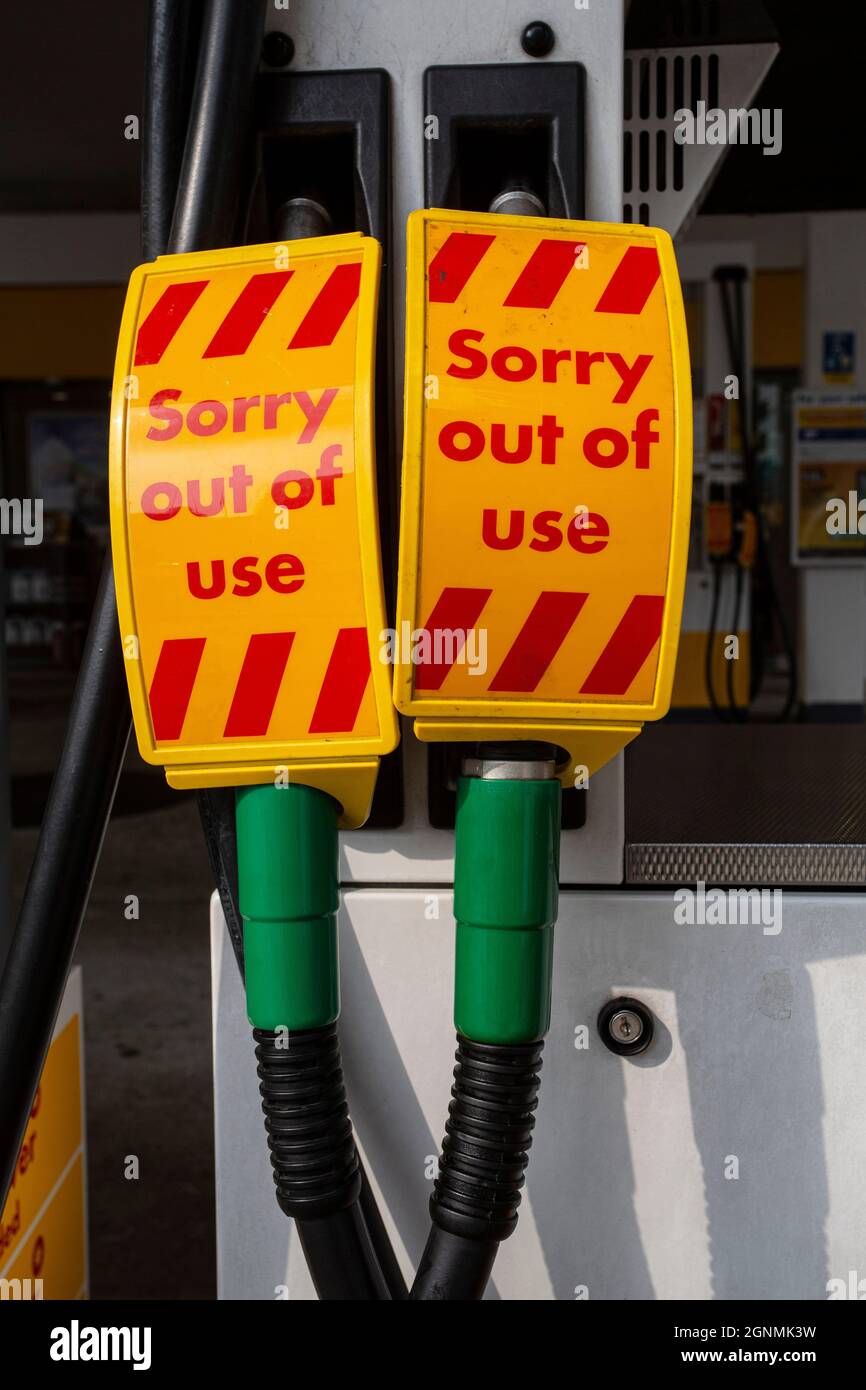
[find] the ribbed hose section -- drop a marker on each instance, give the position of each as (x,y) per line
(313,1154)
(487,1139)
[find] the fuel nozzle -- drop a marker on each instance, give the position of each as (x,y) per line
(518,200)
(506,893)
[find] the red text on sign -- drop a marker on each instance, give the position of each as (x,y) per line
(516,363)
(206,418)
(587,534)
(283,573)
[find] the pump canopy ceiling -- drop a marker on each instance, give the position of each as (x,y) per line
(70,75)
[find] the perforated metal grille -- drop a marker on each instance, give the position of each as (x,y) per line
(782,805)
(793,866)
(664,180)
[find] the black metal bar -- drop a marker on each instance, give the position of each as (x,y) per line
(67,853)
(174,31)
(202,186)
(212,170)
(84,785)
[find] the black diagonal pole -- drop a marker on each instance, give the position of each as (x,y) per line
(82,792)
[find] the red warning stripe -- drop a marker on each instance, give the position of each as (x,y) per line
(538,641)
(258,684)
(628,289)
(454,613)
(164,319)
(540,638)
(456,260)
(172,684)
(633,640)
(330,308)
(544,274)
(248,313)
(344,684)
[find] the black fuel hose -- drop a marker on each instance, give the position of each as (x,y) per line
(482,1167)
(196,126)
(82,792)
(341,1254)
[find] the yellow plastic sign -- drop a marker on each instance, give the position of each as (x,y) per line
(243,514)
(546,483)
(43,1227)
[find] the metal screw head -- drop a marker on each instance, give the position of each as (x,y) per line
(278,49)
(625,1026)
(537,39)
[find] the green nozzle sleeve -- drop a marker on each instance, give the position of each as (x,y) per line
(289,895)
(506,890)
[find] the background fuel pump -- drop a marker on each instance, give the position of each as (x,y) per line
(743,540)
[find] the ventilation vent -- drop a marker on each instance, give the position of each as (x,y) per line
(664,181)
